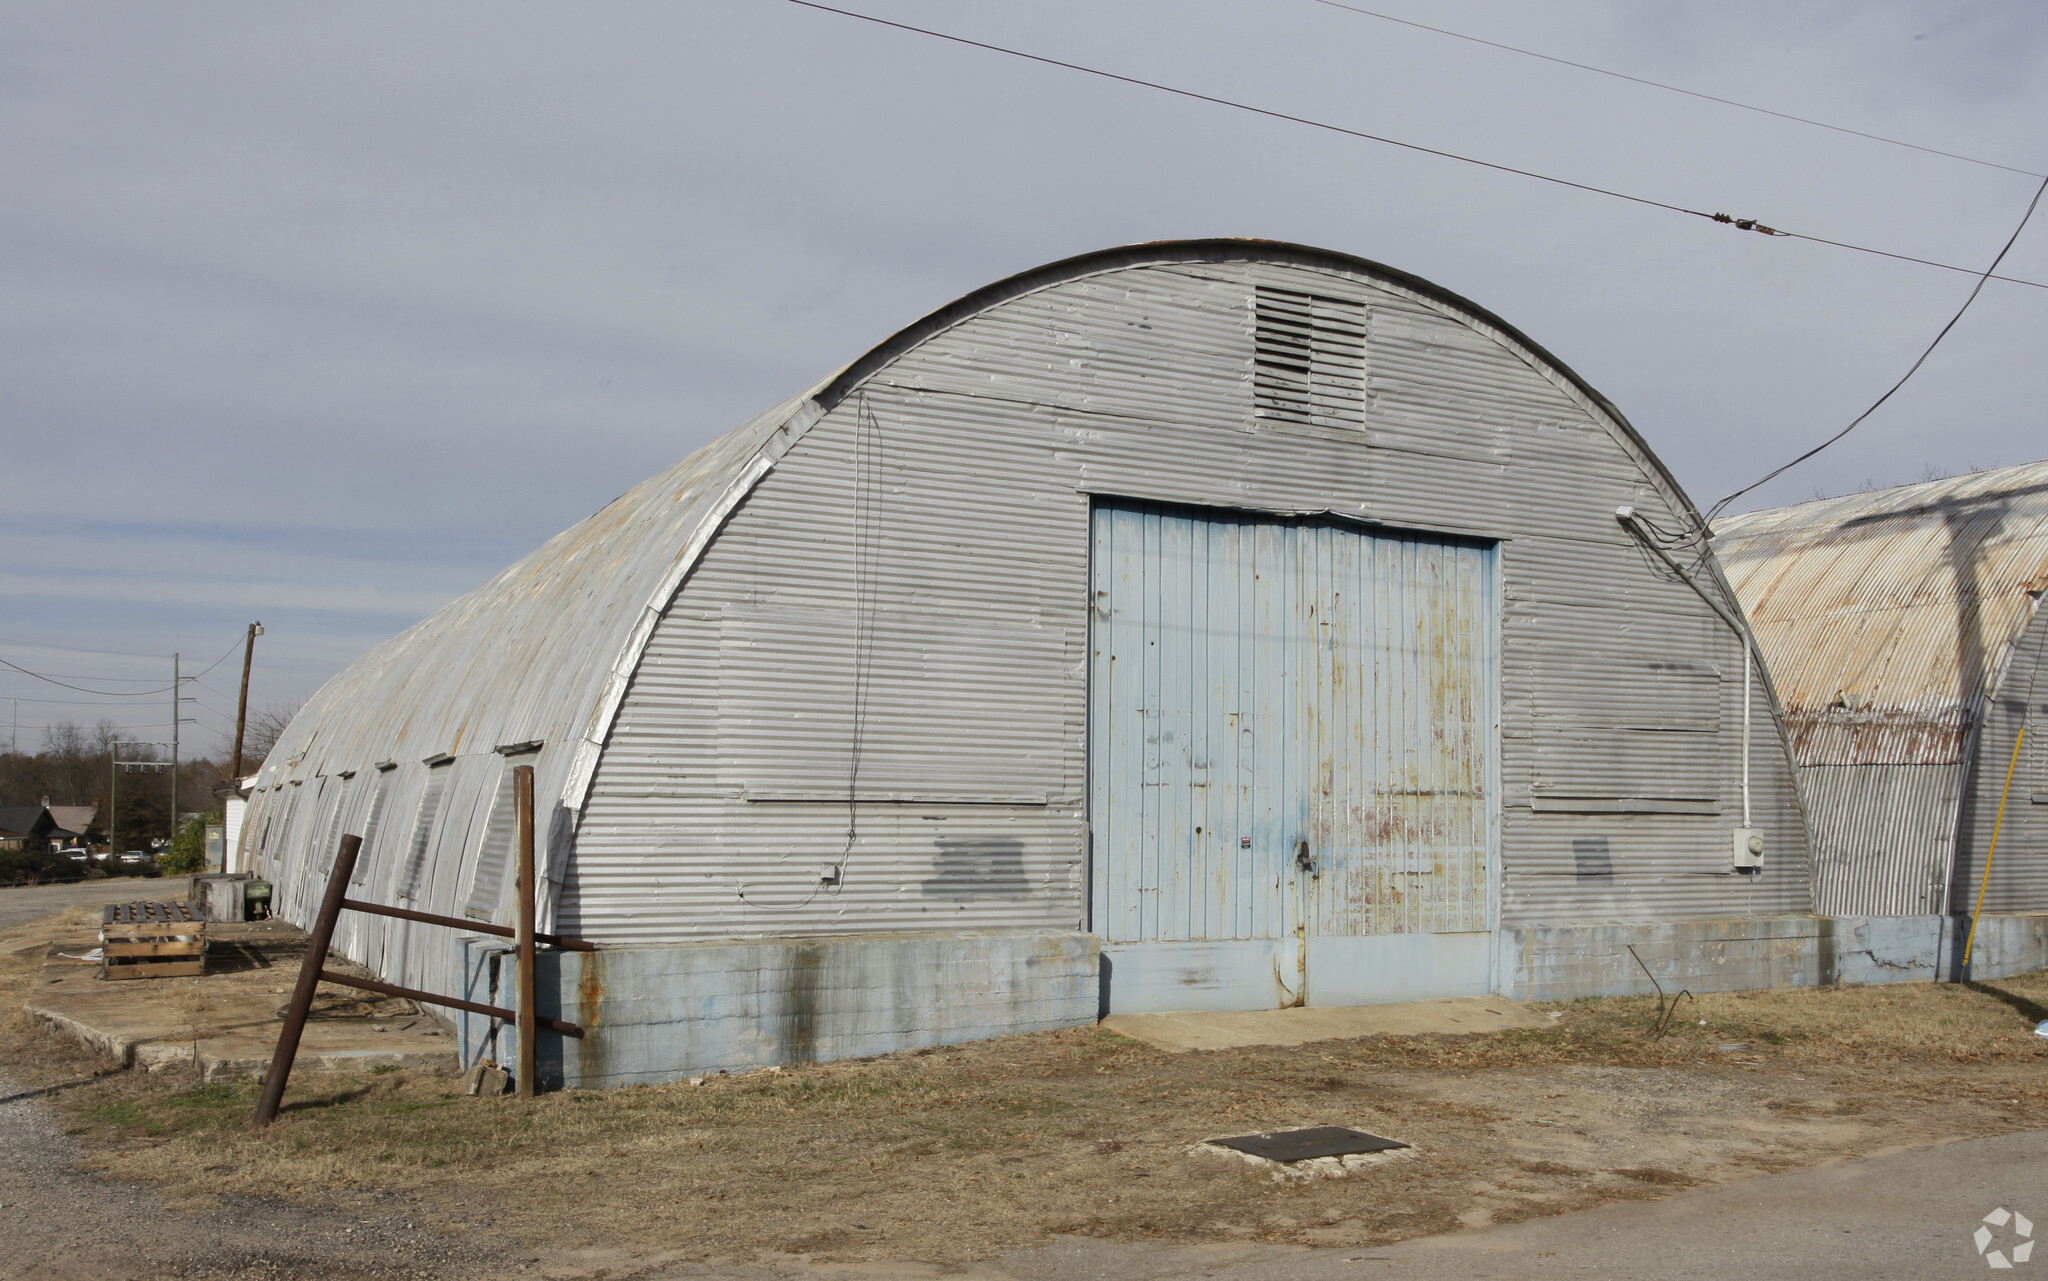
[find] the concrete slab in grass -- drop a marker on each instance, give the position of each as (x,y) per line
(1463,1015)
(223,1026)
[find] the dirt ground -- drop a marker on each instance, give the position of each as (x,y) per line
(964,1152)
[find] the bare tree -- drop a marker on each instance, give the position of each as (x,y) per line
(266,725)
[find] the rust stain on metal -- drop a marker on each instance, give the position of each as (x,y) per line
(1886,617)
(590,992)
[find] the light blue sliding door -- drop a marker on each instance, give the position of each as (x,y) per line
(1291,739)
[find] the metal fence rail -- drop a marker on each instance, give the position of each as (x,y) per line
(312,972)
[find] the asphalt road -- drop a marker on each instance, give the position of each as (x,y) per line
(27,902)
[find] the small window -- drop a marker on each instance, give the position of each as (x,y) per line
(423,828)
(1308,359)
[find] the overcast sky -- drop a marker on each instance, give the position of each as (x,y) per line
(323,314)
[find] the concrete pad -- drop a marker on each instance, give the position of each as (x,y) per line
(226,1022)
(1463,1015)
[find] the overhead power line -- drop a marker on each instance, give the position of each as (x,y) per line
(1670,88)
(117,693)
(109,693)
(73,649)
(1743,224)
(232,647)
(1719,507)
(74,676)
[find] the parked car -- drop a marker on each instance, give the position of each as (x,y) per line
(136,858)
(101,856)
(75,854)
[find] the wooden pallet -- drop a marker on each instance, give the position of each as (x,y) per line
(151,941)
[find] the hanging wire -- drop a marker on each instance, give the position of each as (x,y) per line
(117,693)
(1670,88)
(1740,224)
(868,459)
(2011,240)
(105,693)
(867,575)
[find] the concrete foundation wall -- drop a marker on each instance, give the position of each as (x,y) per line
(660,1013)
(1565,962)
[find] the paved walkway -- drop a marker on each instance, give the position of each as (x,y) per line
(1299,1026)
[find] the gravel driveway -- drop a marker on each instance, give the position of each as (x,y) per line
(65,1224)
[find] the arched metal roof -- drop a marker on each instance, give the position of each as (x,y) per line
(534,654)
(1887,617)
(544,651)
(1222,249)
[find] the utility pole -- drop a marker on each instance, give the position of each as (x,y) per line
(114,790)
(242,707)
(176,689)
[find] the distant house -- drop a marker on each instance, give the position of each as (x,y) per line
(30,827)
(76,819)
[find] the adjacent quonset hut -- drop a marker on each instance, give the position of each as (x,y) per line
(1905,633)
(1211,624)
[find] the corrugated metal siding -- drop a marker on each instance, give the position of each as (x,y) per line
(965,468)
(2019,867)
(529,656)
(1886,618)
(1881,836)
(934,527)
(1263,685)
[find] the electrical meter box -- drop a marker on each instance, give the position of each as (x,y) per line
(1746,851)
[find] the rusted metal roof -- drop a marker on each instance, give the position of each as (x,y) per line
(1887,617)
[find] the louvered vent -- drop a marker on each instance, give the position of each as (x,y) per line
(423,829)
(1309,359)
(376,816)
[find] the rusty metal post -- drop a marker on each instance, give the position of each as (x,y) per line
(527,1025)
(309,981)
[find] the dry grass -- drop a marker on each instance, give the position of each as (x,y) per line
(1907,1022)
(28,1056)
(963,1152)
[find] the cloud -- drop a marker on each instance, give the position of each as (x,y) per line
(325,314)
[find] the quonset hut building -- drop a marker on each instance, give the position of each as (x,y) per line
(1196,625)
(1904,630)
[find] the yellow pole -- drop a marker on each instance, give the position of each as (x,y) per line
(1992,853)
